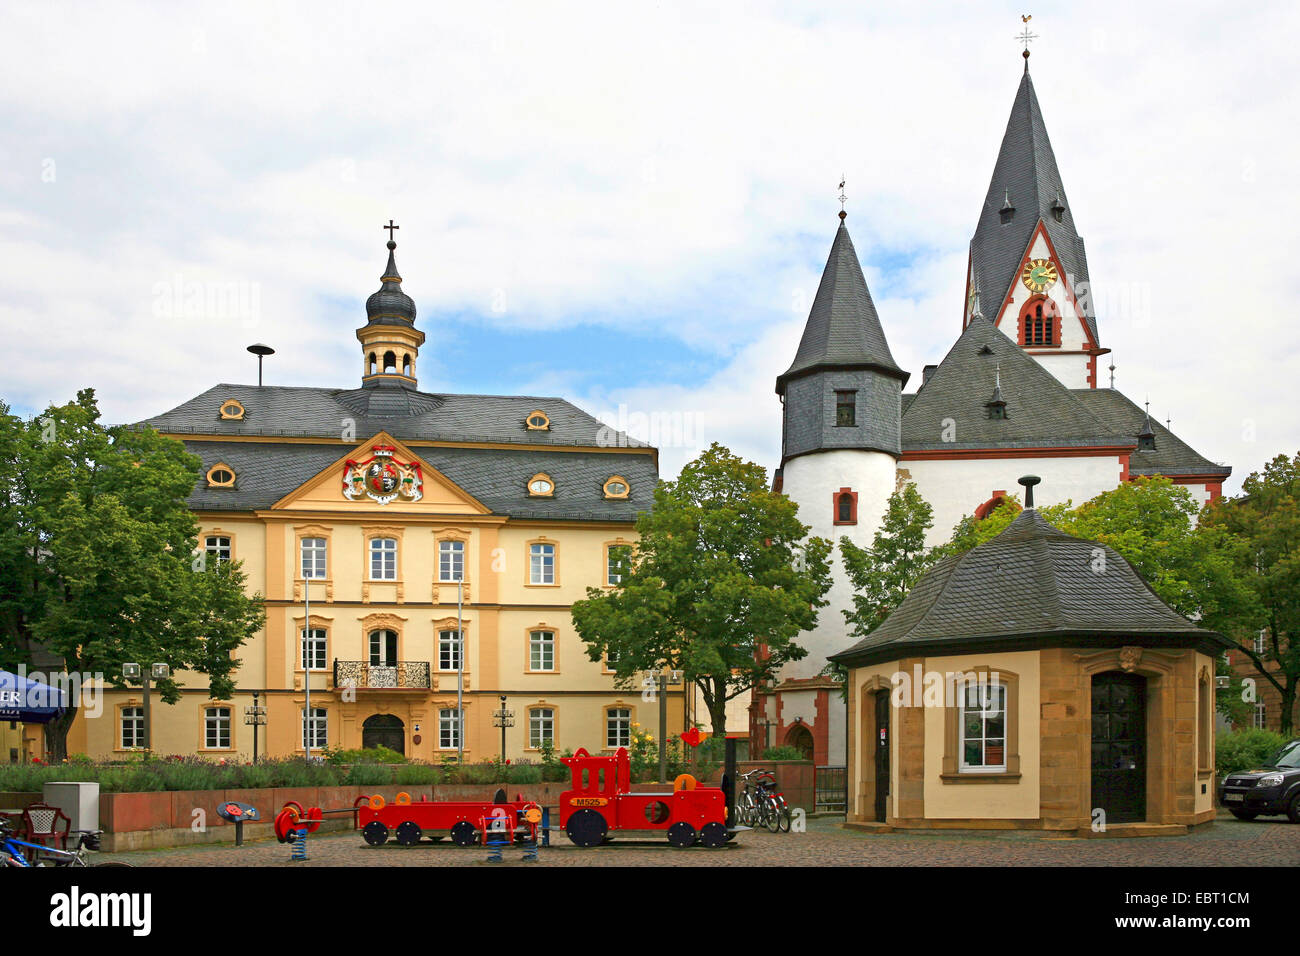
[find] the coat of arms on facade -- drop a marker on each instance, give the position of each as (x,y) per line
(1129,658)
(381,477)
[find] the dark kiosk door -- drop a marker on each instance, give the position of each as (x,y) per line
(1119,746)
(882,753)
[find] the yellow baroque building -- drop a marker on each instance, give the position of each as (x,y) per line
(372,519)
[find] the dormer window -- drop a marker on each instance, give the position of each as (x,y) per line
(1146,442)
(538,421)
(541,486)
(232,410)
(1008,211)
(221,475)
(617,487)
(997,410)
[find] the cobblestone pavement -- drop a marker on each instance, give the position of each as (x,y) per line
(825,843)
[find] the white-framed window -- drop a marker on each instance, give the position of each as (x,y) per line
(218,547)
(1261,717)
(984,727)
(541,727)
(313,552)
(383,559)
(216,728)
(448,729)
(449,648)
(541,563)
(451,561)
(616,562)
(132,728)
(316,729)
(313,648)
(541,650)
(611,658)
(383,648)
(1261,642)
(618,727)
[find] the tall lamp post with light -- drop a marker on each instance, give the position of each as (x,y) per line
(503,718)
(255,716)
(660,681)
(134,671)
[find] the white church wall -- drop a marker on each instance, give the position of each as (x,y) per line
(811,481)
(1070,370)
(956,487)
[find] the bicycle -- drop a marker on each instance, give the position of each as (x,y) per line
(15,852)
(761,804)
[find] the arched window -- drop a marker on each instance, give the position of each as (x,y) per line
(373,364)
(1040,323)
(390,363)
(845,503)
(990,506)
(406,365)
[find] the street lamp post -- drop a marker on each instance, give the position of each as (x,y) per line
(255,716)
(133,671)
(460,669)
(503,718)
(661,681)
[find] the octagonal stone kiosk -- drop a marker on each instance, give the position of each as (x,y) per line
(1035,681)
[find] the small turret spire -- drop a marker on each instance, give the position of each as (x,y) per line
(389,340)
(843,215)
(1147,436)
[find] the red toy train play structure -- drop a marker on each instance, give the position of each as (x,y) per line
(599,802)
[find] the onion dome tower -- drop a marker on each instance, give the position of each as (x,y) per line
(390,342)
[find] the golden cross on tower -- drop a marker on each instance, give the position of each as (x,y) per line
(390,227)
(1026,37)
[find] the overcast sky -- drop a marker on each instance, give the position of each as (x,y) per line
(630,205)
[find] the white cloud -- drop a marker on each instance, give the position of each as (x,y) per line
(667,169)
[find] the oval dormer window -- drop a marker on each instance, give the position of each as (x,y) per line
(617,487)
(541,486)
(232,410)
(221,475)
(539,421)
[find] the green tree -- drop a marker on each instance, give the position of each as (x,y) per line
(1265,520)
(882,574)
(720,582)
(97,557)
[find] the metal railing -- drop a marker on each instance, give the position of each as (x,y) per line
(401,675)
(830,790)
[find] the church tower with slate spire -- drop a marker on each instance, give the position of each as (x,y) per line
(841,441)
(1026,257)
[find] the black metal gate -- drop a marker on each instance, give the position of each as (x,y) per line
(830,790)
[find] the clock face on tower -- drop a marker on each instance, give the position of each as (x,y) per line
(1039,275)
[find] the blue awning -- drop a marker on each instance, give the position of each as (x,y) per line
(29,701)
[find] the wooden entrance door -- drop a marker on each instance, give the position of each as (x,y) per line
(882,754)
(1119,746)
(384,730)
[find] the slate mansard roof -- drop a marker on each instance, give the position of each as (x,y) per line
(843,329)
(1031,586)
(1026,176)
(266,471)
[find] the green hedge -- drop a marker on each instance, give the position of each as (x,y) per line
(1245,750)
(146,774)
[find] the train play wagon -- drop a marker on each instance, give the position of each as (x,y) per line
(409,820)
(601,801)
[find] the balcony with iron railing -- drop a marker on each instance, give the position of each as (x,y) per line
(400,675)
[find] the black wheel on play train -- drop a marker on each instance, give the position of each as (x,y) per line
(713,834)
(586,828)
(681,834)
(464,834)
(375,833)
(409,833)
